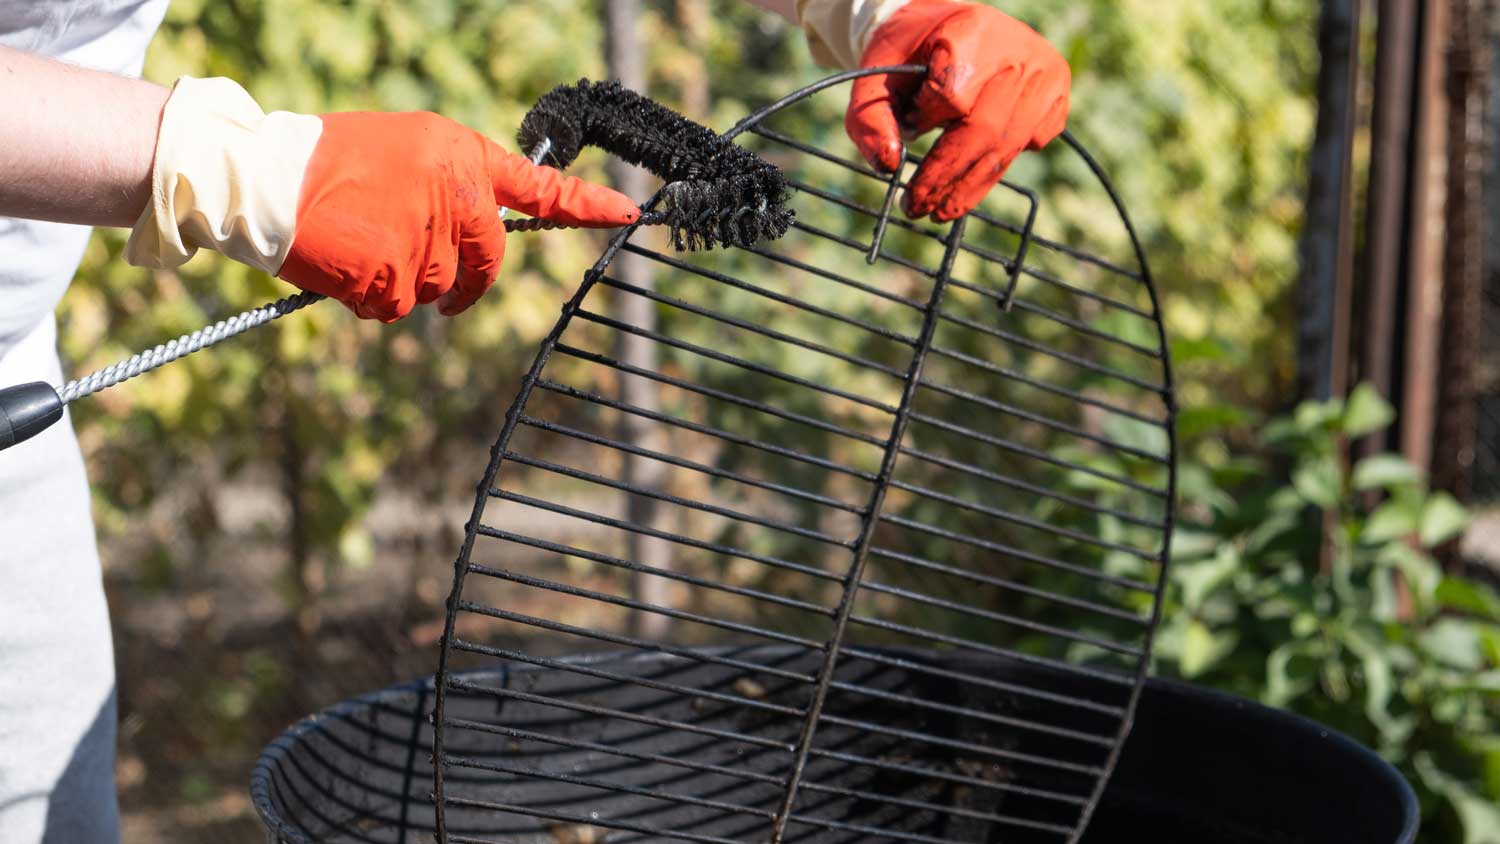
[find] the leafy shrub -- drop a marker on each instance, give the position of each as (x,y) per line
(1377,641)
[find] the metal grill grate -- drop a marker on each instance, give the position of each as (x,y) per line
(915,513)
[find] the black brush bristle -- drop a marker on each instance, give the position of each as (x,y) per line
(717,193)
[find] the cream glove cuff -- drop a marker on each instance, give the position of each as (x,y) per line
(227,177)
(839,30)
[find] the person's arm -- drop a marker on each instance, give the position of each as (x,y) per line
(75,144)
(382,211)
(994,86)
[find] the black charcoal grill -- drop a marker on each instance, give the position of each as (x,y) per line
(860,534)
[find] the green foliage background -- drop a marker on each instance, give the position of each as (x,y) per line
(1201,113)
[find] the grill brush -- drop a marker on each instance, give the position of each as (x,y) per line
(716,194)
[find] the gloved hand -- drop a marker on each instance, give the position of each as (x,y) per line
(380,211)
(993,85)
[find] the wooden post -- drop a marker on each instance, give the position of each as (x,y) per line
(622,21)
(1424,287)
(1464,259)
(1327,247)
(1386,220)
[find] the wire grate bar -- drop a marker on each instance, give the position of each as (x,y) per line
(600,440)
(704,272)
(746,775)
(1003,583)
(808,149)
(1106,675)
(874,213)
(1073,701)
(763,331)
(1041,419)
(1001,618)
(741,363)
(970,712)
(830,275)
(628,603)
(949,776)
(1012,551)
(568,817)
(1033,489)
(634,489)
(765,778)
(1027,451)
(1046,386)
(694,580)
(715,393)
(1043,348)
(696,656)
(903,835)
(460,684)
(717,433)
(815,231)
(678,761)
(586,670)
(644,530)
(947,810)
(1053,281)
(1025,521)
(675,798)
(734,808)
(966,746)
(1055,246)
(1002,260)
(1052,245)
(1083,327)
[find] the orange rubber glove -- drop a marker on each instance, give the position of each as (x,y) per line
(382,212)
(399,210)
(993,85)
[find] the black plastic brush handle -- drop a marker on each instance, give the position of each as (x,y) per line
(26,410)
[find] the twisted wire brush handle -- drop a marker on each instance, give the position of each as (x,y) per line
(243,321)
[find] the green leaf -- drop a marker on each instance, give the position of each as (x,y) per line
(1392,520)
(1201,648)
(1366,412)
(1319,479)
(1190,350)
(1199,580)
(1383,471)
(1189,544)
(1453,642)
(1196,483)
(1209,418)
(1288,673)
(1421,572)
(1457,593)
(1479,817)
(1314,416)
(1443,518)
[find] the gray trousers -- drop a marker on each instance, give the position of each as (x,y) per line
(57,673)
